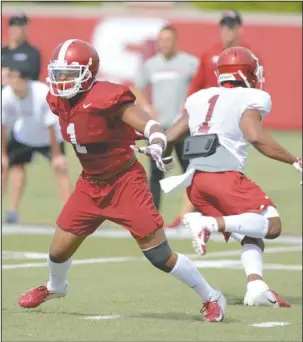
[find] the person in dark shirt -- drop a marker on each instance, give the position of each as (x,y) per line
(231,32)
(19,49)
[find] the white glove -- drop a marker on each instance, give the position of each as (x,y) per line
(298,166)
(155,151)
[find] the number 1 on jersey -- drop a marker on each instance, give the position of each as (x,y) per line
(212,102)
(71,131)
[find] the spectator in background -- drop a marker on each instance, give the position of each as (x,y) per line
(169,73)
(18,48)
(35,129)
(231,30)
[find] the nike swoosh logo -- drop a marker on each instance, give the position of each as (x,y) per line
(85,106)
(272,301)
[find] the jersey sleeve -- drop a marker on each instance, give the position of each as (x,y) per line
(107,97)
(259,100)
(125,95)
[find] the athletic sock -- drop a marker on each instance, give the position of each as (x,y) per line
(57,275)
(186,272)
(252,259)
(249,224)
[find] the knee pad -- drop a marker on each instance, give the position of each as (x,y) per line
(251,241)
(159,255)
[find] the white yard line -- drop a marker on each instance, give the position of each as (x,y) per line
(116,233)
(102,317)
(237,264)
(233,264)
(16,255)
(266,324)
(230,264)
(12,255)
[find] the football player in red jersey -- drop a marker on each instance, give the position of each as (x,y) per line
(100,120)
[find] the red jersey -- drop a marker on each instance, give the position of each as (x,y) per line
(205,76)
(100,138)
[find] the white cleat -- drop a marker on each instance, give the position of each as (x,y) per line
(198,225)
(265,298)
(214,308)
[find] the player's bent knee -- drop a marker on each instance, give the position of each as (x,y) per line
(274,228)
(159,256)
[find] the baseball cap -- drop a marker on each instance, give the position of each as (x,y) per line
(230,19)
(18,19)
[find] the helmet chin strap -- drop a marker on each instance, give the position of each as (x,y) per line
(244,78)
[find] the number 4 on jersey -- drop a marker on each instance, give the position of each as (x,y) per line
(71,132)
(204,128)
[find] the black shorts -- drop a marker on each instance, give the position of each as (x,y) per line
(19,154)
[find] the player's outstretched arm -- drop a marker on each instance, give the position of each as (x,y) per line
(138,119)
(253,132)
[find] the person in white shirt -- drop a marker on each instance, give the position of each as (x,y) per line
(169,72)
(229,118)
(28,126)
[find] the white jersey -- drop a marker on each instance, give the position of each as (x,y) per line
(29,117)
(219,110)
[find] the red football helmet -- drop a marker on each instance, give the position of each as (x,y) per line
(239,64)
(73,67)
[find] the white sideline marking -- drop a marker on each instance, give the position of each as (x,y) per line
(271,250)
(269,324)
(76,262)
(13,255)
(236,264)
(10,255)
(116,233)
(232,264)
(98,318)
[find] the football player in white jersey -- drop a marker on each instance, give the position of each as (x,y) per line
(34,128)
(230,117)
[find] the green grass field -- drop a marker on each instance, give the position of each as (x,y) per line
(124,299)
(116,295)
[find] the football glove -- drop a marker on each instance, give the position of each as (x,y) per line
(155,151)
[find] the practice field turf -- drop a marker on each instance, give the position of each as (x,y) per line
(41,205)
(116,295)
